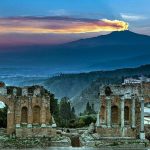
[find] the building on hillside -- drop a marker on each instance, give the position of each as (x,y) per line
(131,81)
(144,79)
(140,79)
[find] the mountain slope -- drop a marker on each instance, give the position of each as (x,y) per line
(79,55)
(90,94)
(122,38)
(72,85)
(121,63)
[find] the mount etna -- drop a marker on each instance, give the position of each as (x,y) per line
(105,52)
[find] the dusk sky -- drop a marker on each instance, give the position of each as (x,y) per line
(28,22)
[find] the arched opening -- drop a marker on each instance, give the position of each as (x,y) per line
(3,118)
(114,114)
(108,91)
(103,114)
(24,115)
(36,114)
(126,114)
(3,115)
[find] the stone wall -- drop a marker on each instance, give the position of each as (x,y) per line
(116,132)
(28,110)
(35,132)
(120,111)
(110,143)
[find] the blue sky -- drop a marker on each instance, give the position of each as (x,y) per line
(104,7)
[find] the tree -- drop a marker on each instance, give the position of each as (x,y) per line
(73,116)
(88,108)
(65,111)
(81,123)
(3,117)
(54,108)
(86,120)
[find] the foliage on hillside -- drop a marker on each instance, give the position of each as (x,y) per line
(63,112)
(71,85)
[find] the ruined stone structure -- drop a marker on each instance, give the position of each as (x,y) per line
(28,111)
(121,112)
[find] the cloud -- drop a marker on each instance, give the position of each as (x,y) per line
(129,17)
(142,30)
(59,12)
(58,25)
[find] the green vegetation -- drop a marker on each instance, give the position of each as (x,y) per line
(89,109)
(86,120)
(3,117)
(64,114)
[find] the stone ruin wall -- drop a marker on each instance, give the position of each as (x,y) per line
(28,111)
(126,97)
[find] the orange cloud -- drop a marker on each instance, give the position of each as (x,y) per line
(45,25)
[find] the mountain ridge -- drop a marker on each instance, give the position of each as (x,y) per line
(79,55)
(71,85)
(125,33)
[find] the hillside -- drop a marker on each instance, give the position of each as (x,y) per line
(72,85)
(90,94)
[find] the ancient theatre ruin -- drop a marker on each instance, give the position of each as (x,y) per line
(28,112)
(121,111)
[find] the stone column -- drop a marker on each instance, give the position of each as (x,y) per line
(48,113)
(43,113)
(108,100)
(10,120)
(133,112)
(98,122)
(18,114)
(142,133)
(122,112)
(43,117)
(30,114)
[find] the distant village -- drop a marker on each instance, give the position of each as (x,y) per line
(138,80)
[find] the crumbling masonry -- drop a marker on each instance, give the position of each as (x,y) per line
(121,112)
(28,111)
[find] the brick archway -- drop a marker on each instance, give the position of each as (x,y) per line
(114,114)
(103,114)
(10,114)
(36,114)
(126,114)
(24,115)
